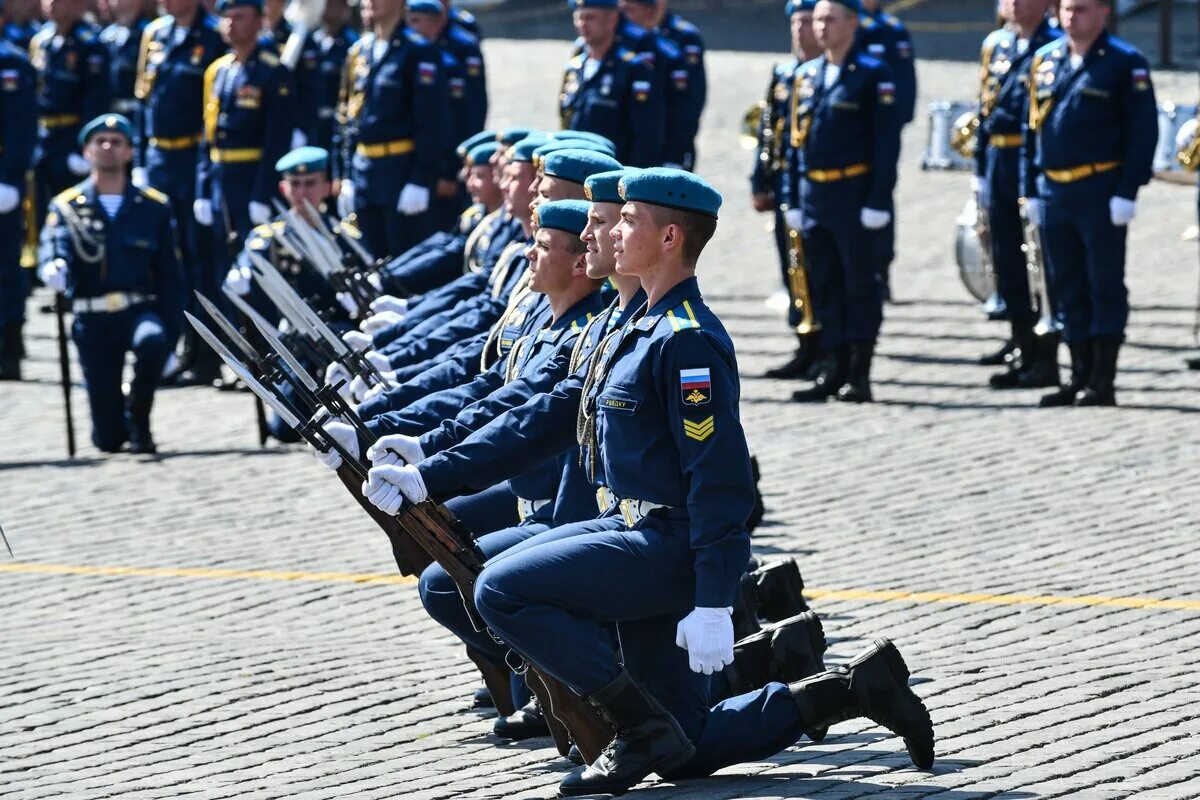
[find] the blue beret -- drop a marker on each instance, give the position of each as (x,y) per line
(303,160)
(572,144)
(426,6)
(514,135)
(586,136)
(602,186)
(672,188)
(592,4)
(576,165)
(523,150)
(799,5)
(563,215)
(481,154)
(853,5)
(468,144)
(106,122)
(226,5)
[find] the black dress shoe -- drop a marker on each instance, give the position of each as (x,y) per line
(574,756)
(858,378)
(1101,388)
(1081,373)
(832,378)
(524,723)
(999,357)
(796,367)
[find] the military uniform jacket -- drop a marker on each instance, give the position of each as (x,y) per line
(73,84)
(170,81)
(1004,86)
(399,96)
(18,115)
(20,34)
(442,257)
(884,37)
(276,37)
(852,123)
(132,252)
(124,43)
(318,77)
(690,41)
(622,101)
(466,84)
(248,119)
(1102,112)
(466,21)
(769,151)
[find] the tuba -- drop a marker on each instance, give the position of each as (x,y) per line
(797,275)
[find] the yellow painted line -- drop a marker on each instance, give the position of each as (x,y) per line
(364,579)
(202,572)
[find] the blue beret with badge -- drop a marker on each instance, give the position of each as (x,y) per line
(586,136)
(799,5)
(426,6)
(229,5)
(481,154)
(511,136)
(522,151)
(671,188)
(603,187)
(576,165)
(303,161)
(470,142)
(574,4)
(106,122)
(563,215)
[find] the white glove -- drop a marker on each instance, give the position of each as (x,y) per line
(299,139)
(347,301)
(414,199)
(359,390)
(380,361)
(389,303)
(375,391)
(54,275)
(356,339)
(344,435)
(10,198)
(238,280)
(873,219)
(387,488)
(139,177)
(1121,211)
(1186,132)
(377,322)
(707,635)
(78,164)
(983,193)
(336,372)
(345,202)
(202,211)
(1033,210)
(375,281)
(408,448)
(794,218)
(260,213)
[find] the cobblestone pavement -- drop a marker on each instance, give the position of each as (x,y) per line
(199,623)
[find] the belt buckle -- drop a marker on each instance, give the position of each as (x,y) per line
(627,513)
(113,302)
(602,501)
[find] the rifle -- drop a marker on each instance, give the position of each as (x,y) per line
(64,370)
(452,546)
(231,246)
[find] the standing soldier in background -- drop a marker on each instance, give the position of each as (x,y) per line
(1090,140)
(275,27)
(884,37)
(123,39)
(770,161)
(1003,98)
(845,131)
(18,133)
(1187,142)
(21,23)
(462,19)
(394,131)
(610,90)
(175,52)
(73,86)
(318,74)
(467,85)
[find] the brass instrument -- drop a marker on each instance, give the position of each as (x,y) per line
(1189,155)
(797,274)
(964,134)
(752,124)
(1035,265)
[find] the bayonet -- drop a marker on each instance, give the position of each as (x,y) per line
(7,546)
(228,328)
(272,337)
(241,305)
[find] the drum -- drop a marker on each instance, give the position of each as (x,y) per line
(951,136)
(1170,118)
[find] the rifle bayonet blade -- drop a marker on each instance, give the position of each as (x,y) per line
(241,305)
(228,328)
(302,310)
(214,342)
(363,254)
(273,341)
(262,392)
(7,546)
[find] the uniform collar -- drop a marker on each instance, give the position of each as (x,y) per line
(684,290)
(587,306)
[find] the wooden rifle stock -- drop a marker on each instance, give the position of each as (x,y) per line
(410,558)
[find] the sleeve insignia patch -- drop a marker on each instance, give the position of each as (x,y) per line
(698,430)
(695,386)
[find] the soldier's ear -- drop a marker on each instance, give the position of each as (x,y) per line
(285,190)
(672,236)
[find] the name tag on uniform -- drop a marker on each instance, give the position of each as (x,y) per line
(876,49)
(844,106)
(621,405)
(1090,92)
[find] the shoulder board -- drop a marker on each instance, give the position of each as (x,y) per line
(415,37)
(893,21)
(626,55)
(350,229)
(268,58)
(579,325)
(68,195)
(1050,48)
(264,230)
(461,35)
(867,23)
(680,24)
(575,63)
(463,15)
(154,194)
(682,318)
(995,37)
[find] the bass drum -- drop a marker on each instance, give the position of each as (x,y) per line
(968,252)
(942,149)
(1170,119)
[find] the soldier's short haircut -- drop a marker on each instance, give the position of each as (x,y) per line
(697,228)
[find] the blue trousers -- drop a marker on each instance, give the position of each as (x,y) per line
(102,341)
(489,510)
(14,283)
(844,281)
(1007,229)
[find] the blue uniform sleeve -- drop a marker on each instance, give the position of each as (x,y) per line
(434,378)
(427,411)
(425,270)
(1140,135)
(461,327)
(97,84)
(431,115)
(646,113)
(55,243)
(1027,163)
(684,105)
(715,461)
(18,118)
(886,125)
(905,68)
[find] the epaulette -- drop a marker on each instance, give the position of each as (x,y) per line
(268,58)
(576,62)
(69,195)
(415,37)
(867,23)
(463,16)
(681,318)
(680,24)
(160,23)
(893,21)
(580,324)
(1051,48)
(462,35)
(154,194)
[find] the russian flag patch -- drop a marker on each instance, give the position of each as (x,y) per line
(887,92)
(695,386)
(1141,79)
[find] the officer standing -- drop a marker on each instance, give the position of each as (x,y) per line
(845,136)
(1090,139)
(318,75)
(463,19)
(21,23)
(175,52)
(123,38)
(610,90)
(110,246)
(73,87)
(18,133)
(275,27)
(1003,99)
(394,131)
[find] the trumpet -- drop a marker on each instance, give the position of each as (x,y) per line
(797,274)
(1035,265)
(1189,154)
(752,124)
(964,134)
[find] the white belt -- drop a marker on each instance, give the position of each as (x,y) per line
(110,303)
(634,511)
(527,508)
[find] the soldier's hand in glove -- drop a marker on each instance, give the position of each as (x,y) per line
(344,435)
(377,322)
(388,303)
(54,275)
(396,444)
(260,213)
(388,487)
(78,164)
(238,280)
(414,199)
(707,635)
(873,219)
(1033,210)
(1121,211)
(10,198)
(202,211)
(345,200)
(794,218)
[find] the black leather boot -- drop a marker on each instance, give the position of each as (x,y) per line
(648,739)
(745,609)
(778,589)
(800,362)
(1023,357)
(786,651)
(1193,363)
(1081,373)
(999,357)
(1101,389)
(832,378)
(11,352)
(527,722)
(873,685)
(1043,371)
(858,382)
(482,698)
(138,416)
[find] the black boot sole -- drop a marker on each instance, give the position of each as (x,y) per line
(664,766)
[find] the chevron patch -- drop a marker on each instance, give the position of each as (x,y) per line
(698,430)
